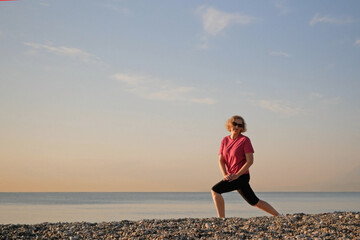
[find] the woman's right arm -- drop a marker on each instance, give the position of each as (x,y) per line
(222,166)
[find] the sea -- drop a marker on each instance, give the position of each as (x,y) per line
(33,208)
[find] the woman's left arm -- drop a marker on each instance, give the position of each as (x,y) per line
(249,161)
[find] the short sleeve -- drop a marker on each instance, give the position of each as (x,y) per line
(222,146)
(248,148)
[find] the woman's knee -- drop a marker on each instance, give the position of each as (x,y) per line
(214,190)
(255,203)
(213,193)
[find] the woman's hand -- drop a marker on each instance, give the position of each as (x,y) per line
(231,177)
(249,162)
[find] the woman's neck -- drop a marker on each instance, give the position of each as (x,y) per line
(234,135)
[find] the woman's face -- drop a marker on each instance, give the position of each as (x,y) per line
(237,126)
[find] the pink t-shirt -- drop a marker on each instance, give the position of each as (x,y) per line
(234,150)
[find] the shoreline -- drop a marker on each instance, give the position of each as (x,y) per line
(336,225)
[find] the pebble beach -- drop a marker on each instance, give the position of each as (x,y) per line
(337,225)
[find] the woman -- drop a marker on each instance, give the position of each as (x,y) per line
(235,159)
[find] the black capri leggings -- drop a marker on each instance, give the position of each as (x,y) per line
(241,185)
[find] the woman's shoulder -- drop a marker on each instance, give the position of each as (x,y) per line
(245,138)
(226,138)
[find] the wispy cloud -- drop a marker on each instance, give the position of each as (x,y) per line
(357,43)
(279,53)
(290,109)
(280,4)
(64,51)
(152,88)
(321,98)
(215,22)
(116,8)
(316,95)
(280,106)
(331,20)
(204,42)
(44,3)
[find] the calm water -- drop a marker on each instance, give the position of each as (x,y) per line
(97,207)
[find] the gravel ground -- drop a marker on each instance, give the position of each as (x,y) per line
(338,225)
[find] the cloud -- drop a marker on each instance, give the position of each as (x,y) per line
(152,88)
(281,6)
(133,79)
(357,43)
(316,95)
(116,8)
(279,53)
(204,42)
(64,51)
(331,20)
(288,109)
(281,107)
(324,99)
(215,21)
(44,3)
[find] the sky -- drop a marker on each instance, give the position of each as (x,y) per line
(115,95)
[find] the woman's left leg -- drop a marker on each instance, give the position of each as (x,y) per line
(216,191)
(219,203)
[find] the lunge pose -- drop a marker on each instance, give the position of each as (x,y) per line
(236,155)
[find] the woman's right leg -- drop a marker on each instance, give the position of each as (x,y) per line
(249,195)
(219,204)
(267,208)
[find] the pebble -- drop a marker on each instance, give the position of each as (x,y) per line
(337,225)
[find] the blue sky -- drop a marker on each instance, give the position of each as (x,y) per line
(120,95)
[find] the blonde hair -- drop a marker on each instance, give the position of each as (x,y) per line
(229,122)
